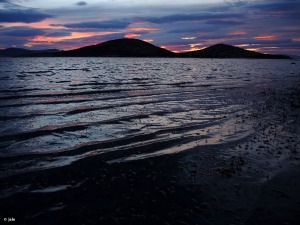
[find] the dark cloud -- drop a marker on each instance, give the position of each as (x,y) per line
(216,17)
(81,3)
(269,15)
(189,28)
(108,24)
(270,42)
(22,32)
(277,6)
(16,41)
(191,17)
(224,22)
(26,32)
(176,42)
(286,30)
(22,15)
(203,26)
(292,16)
(183,30)
(11,12)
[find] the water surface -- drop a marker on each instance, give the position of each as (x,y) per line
(56,111)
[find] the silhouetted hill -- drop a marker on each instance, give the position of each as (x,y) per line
(124,47)
(228,51)
(17,52)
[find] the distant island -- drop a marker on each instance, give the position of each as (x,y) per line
(228,51)
(129,47)
(17,52)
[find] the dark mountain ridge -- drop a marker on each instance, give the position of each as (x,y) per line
(228,51)
(124,47)
(129,47)
(18,52)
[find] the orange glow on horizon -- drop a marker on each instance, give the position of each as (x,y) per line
(148,40)
(239,32)
(74,35)
(195,44)
(173,47)
(143,29)
(266,37)
(195,49)
(270,47)
(253,49)
(41,39)
(242,45)
(131,35)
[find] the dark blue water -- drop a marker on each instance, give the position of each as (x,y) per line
(55,111)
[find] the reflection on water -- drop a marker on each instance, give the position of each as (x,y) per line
(57,111)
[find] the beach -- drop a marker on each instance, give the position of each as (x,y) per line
(106,143)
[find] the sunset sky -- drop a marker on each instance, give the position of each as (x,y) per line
(269,26)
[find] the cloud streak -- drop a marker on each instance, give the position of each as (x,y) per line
(12,13)
(108,24)
(190,17)
(22,32)
(22,15)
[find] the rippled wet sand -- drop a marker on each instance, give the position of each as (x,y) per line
(124,141)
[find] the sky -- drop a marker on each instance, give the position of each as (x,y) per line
(268,26)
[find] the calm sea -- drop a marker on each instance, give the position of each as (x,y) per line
(55,111)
